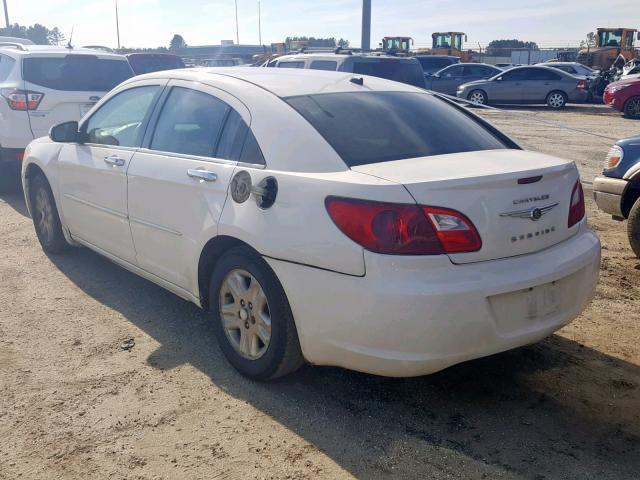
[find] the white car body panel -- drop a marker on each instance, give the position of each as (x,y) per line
(383,314)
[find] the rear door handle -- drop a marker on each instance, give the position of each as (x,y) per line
(114,160)
(201,174)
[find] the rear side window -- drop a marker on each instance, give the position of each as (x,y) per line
(400,71)
(374,127)
(238,143)
(6,65)
(190,123)
(291,65)
(330,65)
(118,122)
(86,73)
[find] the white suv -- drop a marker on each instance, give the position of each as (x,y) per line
(42,86)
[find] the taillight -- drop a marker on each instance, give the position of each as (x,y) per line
(22,100)
(401,229)
(614,157)
(576,208)
(581,85)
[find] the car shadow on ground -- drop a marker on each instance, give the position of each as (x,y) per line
(549,411)
(15,199)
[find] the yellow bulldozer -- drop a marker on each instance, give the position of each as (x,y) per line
(609,43)
(447,43)
(397,45)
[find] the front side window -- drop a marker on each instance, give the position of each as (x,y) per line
(330,65)
(83,73)
(190,123)
(514,75)
(118,122)
(374,127)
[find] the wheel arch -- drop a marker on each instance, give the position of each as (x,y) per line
(211,253)
(630,196)
(30,172)
(626,103)
(479,89)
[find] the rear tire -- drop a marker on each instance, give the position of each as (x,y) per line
(252,317)
(633,228)
(557,100)
(632,108)
(477,97)
(45,216)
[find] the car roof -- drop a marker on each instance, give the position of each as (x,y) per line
(51,50)
(334,56)
(288,82)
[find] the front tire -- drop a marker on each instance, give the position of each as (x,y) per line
(45,216)
(477,97)
(557,100)
(632,108)
(252,317)
(633,228)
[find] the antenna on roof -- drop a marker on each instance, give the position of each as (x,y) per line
(70,38)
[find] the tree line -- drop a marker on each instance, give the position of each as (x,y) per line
(38,34)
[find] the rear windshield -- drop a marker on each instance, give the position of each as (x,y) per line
(147,64)
(76,72)
(374,127)
(401,71)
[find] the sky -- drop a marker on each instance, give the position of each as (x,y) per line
(152,23)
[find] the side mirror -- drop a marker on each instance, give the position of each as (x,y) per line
(66,132)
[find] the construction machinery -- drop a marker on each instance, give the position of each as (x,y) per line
(447,43)
(610,42)
(397,45)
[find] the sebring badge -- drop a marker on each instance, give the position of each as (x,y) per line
(534,214)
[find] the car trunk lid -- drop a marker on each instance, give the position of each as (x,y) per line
(517,200)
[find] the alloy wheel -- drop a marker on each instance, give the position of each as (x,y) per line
(477,98)
(245,314)
(556,100)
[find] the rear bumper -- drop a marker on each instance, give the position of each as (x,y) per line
(11,155)
(607,193)
(579,96)
(413,316)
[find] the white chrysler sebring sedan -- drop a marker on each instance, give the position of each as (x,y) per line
(323,217)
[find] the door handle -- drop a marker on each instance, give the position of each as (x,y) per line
(114,160)
(201,174)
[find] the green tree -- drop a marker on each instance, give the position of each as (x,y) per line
(56,37)
(177,42)
(38,34)
(343,43)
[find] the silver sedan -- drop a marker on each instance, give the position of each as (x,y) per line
(527,85)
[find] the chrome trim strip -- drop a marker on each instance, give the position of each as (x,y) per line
(124,216)
(157,227)
(530,213)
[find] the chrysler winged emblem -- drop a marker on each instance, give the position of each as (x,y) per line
(533,214)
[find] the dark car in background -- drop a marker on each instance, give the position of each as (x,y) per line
(450,78)
(624,96)
(617,190)
(399,69)
(434,63)
(154,62)
(572,68)
(527,85)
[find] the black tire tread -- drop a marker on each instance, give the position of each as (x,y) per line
(633,228)
(626,108)
(59,243)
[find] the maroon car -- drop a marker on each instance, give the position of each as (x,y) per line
(153,62)
(624,96)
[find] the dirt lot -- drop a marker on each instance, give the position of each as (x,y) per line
(76,404)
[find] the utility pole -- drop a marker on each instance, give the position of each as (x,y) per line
(237,29)
(259,24)
(6,14)
(366,25)
(117,25)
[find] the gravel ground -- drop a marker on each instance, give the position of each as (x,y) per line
(105,375)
